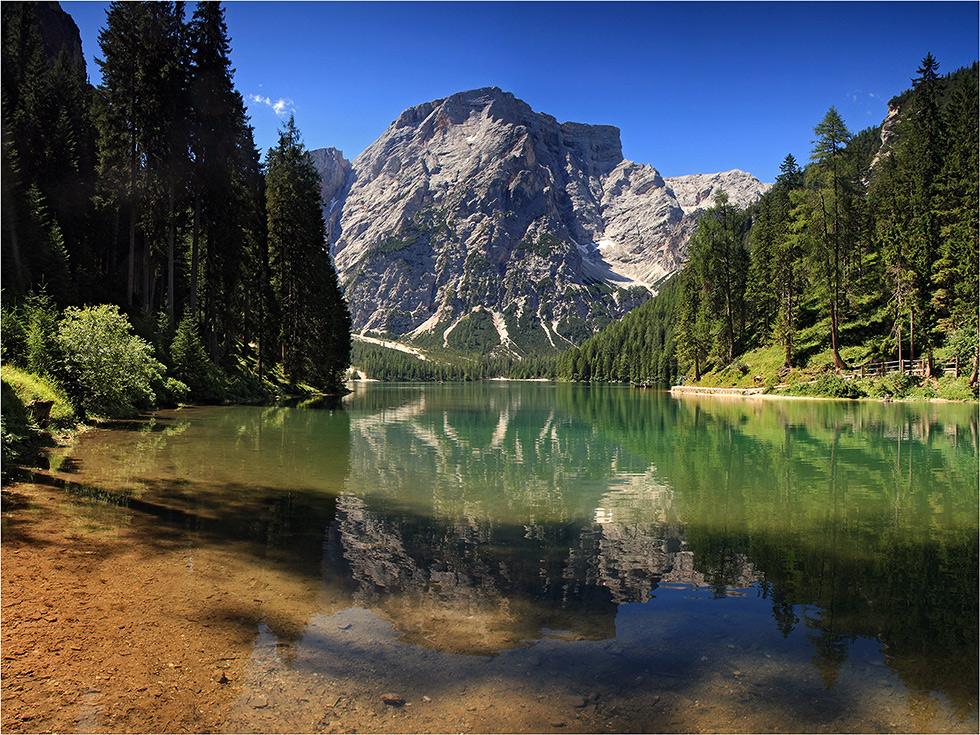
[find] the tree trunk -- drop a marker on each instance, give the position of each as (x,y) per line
(131,270)
(911,334)
(171,293)
(788,338)
(194,256)
(838,362)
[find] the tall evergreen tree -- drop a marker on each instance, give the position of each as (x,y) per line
(168,141)
(47,159)
(791,176)
(694,328)
(924,143)
(222,145)
(956,275)
(315,321)
(720,264)
(121,126)
(834,196)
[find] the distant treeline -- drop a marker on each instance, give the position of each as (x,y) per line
(382,363)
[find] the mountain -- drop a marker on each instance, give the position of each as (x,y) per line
(476,224)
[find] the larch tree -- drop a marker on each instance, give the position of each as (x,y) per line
(832,189)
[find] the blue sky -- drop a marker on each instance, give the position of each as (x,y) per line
(695,87)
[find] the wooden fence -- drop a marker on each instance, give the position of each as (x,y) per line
(909,367)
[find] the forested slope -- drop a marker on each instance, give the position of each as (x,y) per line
(868,253)
(148,193)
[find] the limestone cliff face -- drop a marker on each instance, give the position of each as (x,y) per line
(334,170)
(475,215)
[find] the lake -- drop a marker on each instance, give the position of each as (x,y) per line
(532,556)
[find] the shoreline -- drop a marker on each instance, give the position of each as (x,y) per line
(758,393)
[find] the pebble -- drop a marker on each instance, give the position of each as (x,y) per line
(393,700)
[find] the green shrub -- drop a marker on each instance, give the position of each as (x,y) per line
(893,385)
(109,371)
(957,389)
(173,392)
(828,385)
(12,344)
(834,386)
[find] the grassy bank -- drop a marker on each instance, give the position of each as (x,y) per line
(763,369)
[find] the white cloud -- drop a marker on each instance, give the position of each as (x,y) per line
(281,106)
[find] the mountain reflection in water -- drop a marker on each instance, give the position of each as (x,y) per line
(481,518)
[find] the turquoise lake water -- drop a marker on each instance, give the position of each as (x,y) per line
(755,564)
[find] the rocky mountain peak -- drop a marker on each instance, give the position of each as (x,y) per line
(476,222)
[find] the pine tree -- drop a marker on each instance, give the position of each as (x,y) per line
(720,264)
(223,179)
(47,163)
(956,290)
(315,322)
(834,196)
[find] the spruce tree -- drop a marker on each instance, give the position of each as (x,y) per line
(315,322)
(121,123)
(924,144)
(223,158)
(47,157)
(956,291)
(720,266)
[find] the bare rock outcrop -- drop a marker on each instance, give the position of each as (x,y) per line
(475,214)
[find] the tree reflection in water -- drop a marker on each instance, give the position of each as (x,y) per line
(486,518)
